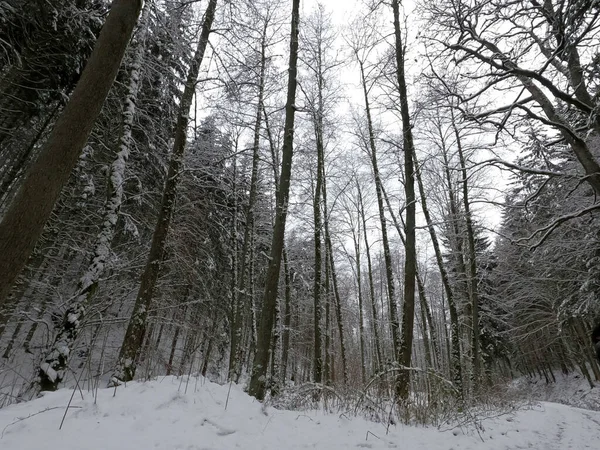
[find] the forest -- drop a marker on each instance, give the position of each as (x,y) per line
(394,202)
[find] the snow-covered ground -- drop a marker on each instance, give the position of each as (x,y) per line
(162,415)
(571,389)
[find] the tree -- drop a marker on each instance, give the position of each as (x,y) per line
(473,278)
(532,48)
(136,331)
(257,385)
(24,221)
(361,52)
(455,358)
(318,42)
(52,369)
(410,260)
(263,21)
(546,279)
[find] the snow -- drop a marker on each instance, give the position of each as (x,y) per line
(571,389)
(195,414)
(49,371)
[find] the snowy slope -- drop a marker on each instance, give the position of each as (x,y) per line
(570,389)
(161,415)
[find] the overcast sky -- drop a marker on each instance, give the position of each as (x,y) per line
(340,8)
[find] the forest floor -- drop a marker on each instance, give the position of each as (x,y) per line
(571,389)
(173,413)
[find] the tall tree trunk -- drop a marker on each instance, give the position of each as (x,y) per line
(410,260)
(236,329)
(338,311)
(287,319)
(273,378)
(373,302)
(455,239)
(336,292)
(328,359)
(134,336)
(252,302)
(426,344)
(420,283)
(257,385)
(319,187)
(318,353)
(52,370)
(29,211)
(395,324)
(473,290)
(437,357)
(454,353)
(361,325)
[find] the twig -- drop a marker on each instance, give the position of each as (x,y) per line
(228,392)
(373,434)
(20,419)
(304,415)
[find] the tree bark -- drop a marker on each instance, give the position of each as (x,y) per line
(51,370)
(379,364)
(420,284)
(287,319)
(410,260)
(136,329)
(257,385)
(473,292)
(318,353)
(236,329)
(454,353)
(394,323)
(29,211)
(361,325)
(336,292)
(328,359)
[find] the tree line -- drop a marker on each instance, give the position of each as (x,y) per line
(195,187)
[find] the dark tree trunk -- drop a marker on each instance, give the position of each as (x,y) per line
(25,219)
(473,292)
(454,341)
(257,383)
(395,324)
(136,329)
(334,281)
(287,319)
(51,370)
(379,364)
(361,325)
(318,353)
(328,359)
(420,284)
(236,328)
(410,260)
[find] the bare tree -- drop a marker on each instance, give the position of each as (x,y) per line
(136,330)
(539,45)
(361,51)
(410,260)
(257,385)
(264,21)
